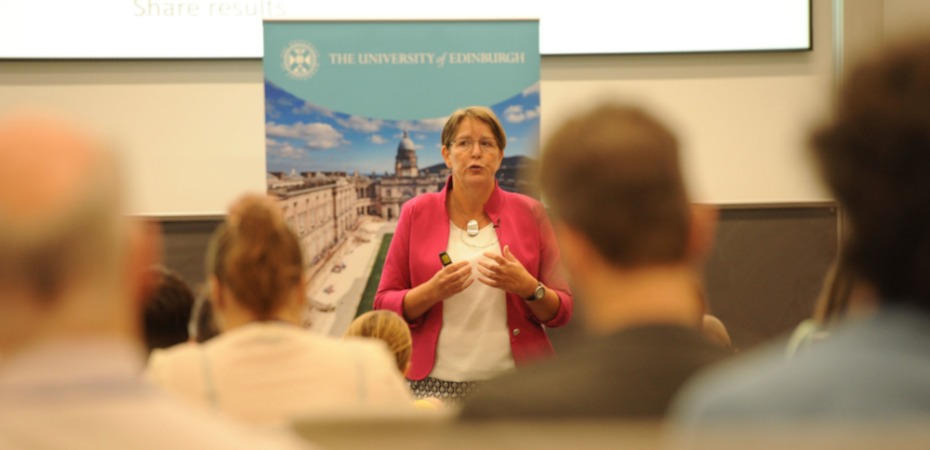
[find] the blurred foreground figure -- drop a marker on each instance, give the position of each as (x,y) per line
(630,242)
(264,368)
(70,300)
(875,157)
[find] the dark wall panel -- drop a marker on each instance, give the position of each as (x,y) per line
(185,247)
(762,277)
(767,269)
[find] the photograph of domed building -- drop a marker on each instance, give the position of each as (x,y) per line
(342,181)
(407,181)
(321,207)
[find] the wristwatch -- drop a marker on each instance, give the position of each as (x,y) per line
(539,293)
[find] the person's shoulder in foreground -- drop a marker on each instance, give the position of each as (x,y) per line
(876,368)
(633,373)
(126,416)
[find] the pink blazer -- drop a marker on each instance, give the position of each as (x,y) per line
(413,258)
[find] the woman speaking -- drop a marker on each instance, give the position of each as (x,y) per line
(482,313)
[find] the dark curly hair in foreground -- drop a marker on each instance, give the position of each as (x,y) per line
(875,156)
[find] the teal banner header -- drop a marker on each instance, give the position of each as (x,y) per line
(402,70)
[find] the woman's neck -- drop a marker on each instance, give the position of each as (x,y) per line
(469,201)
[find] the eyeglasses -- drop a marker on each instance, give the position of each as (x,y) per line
(468,144)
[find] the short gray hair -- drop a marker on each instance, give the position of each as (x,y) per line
(43,253)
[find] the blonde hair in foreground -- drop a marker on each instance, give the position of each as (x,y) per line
(388,327)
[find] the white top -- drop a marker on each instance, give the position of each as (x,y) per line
(269,372)
(87,395)
(474,343)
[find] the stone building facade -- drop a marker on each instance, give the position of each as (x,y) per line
(322,207)
(407,182)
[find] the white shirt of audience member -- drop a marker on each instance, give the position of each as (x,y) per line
(270,372)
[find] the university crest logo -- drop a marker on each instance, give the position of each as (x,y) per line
(300,60)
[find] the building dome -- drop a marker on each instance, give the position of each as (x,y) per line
(293,176)
(406,158)
(406,143)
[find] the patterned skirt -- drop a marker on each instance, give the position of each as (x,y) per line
(451,393)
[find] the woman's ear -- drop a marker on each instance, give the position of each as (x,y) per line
(446,156)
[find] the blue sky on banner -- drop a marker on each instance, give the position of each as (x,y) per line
(305,137)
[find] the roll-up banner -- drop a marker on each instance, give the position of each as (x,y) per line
(354,111)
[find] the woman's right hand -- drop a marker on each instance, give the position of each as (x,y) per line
(449,281)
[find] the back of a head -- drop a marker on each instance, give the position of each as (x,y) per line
(388,327)
(62,233)
(875,157)
(257,256)
(167,309)
(614,175)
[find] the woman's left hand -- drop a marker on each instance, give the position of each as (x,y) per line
(506,272)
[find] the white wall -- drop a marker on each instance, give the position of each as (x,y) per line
(742,118)
(192,132)
(870,24)
(902,18)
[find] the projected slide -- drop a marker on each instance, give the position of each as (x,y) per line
(38,29)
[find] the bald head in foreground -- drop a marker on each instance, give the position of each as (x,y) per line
(630,241)
(70,301)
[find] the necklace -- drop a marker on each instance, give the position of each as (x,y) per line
(472,225)
(474,240)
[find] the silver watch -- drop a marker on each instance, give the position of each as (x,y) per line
(539,293)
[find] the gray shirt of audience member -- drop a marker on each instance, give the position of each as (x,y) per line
(874,369)
(633,373)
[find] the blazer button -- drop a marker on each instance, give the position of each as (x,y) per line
(516,331)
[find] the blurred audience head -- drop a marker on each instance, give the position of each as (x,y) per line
(168,308)
(612,178)
(255,265)
(69,263)
(875,157)
(389,327)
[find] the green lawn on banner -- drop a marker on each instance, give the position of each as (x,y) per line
(368,297)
